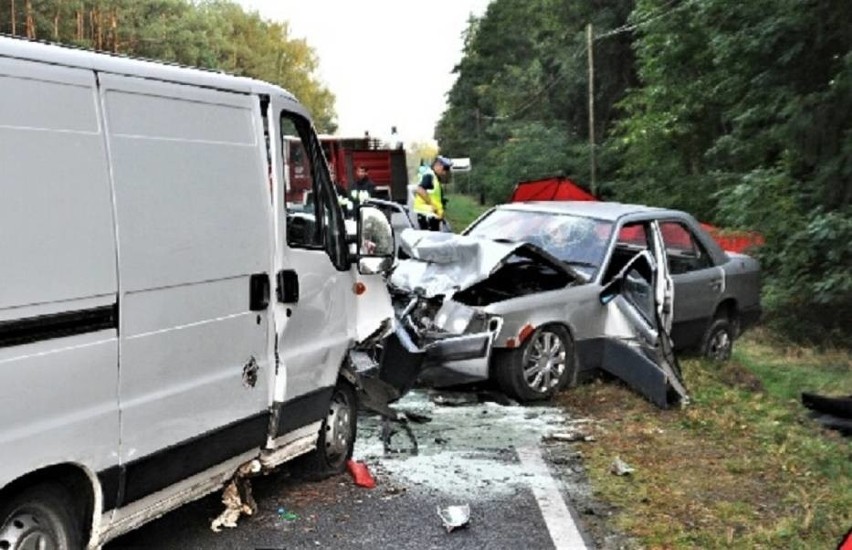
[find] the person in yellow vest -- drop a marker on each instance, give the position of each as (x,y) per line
(429,196)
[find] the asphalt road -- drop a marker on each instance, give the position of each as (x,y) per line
(471,454)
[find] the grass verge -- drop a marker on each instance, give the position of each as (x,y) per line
(742,466)
(462,210)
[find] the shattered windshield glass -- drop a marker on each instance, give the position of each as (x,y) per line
(578,241)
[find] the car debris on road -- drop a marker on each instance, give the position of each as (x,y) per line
(455,517)
(621,468)
(237,497)
(570,437)
(361,474)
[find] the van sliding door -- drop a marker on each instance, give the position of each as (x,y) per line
(192,207)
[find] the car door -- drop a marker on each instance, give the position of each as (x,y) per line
(698,282)
(313,275)
(638,300)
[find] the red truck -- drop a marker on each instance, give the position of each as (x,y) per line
(387,167)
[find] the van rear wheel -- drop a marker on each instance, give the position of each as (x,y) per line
(336,437)
(40,518)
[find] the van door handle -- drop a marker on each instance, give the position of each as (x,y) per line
(258,292)
(288,286)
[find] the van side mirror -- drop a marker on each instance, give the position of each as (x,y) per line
(376,244)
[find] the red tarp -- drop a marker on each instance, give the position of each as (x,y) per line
(550,189)
(563,189)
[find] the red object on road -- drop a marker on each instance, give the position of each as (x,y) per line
(361,475)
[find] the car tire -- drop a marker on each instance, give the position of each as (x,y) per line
(336,439)
(542,366)
(718,341)
(40,517)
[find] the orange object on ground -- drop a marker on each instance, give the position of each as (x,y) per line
(361,475)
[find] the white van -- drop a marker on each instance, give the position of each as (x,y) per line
(165,316)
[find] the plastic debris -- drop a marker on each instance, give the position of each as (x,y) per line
(237,497)
(416,418)
(287,515)
(454,399)
(620,468)
(570,437)
(455,517)
(361,474)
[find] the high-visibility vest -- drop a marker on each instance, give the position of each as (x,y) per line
(420,204)
(360,196)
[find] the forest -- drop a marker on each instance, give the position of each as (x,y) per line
(738,112)
(213,34)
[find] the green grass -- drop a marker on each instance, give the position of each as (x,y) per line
(786,371)
(462,210)
(742,466)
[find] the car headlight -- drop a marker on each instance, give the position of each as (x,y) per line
(459,324)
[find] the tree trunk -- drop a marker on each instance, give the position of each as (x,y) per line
(14,29)
(114,27)
(99,40)
(31,30)
(56,20)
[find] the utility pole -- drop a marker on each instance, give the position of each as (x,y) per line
(592,163)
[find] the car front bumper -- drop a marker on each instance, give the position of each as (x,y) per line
(457,360)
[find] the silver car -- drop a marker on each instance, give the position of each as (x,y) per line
(538,295)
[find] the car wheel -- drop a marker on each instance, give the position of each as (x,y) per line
(43,518)
(718,340)
(541,367)
(336,439)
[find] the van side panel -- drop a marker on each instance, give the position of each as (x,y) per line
(193,214)
(58,284)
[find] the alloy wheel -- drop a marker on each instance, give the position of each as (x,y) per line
(544,361)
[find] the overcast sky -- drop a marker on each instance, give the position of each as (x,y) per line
(388,63)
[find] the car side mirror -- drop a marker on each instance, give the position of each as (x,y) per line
(611,290)
(616,285)
(375,241)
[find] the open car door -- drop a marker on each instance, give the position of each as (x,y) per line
(637,324)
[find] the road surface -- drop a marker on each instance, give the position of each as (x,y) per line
(488,456)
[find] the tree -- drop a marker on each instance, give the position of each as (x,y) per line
(515,88)
(212,34)
(743,117)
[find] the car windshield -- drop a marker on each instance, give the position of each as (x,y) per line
(576,240)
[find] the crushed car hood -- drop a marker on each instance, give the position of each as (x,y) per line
(441,264)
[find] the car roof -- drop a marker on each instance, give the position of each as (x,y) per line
(610,211)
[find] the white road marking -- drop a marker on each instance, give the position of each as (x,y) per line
(558,519)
